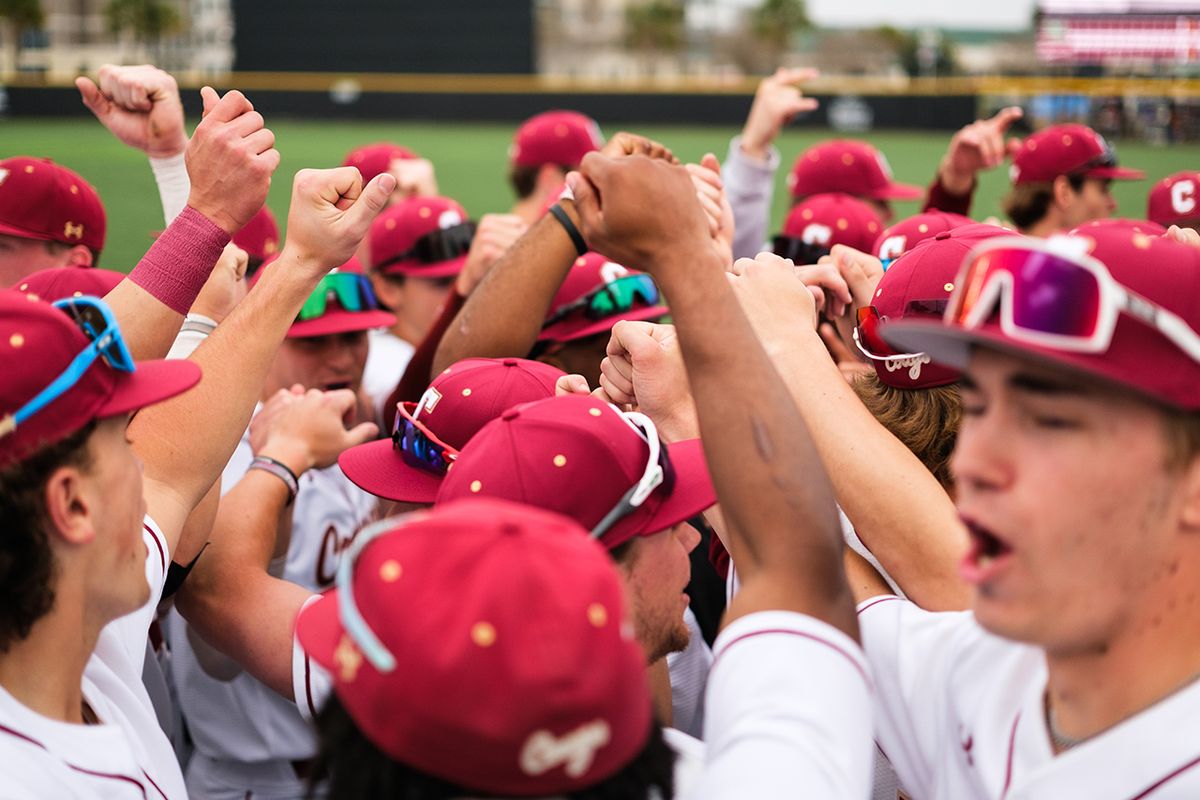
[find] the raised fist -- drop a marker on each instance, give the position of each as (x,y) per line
(330,213)
(140,106)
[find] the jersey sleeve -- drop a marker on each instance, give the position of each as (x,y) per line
(913,654)
(788,706)
(311,684)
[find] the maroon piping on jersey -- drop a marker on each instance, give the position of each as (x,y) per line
(836,647)
(93,773)
(162,556)
(1159,784)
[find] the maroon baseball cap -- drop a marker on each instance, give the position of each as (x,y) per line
(56,283)
(827,219)
(1140,358)
(376,159)
(522,655)
(1067,150)
(555,137)
(37,344)
(399,232)
(260,236)
(337,318)
(43,200)
(589,274)
(1121,223)
(849,166)
(906,234)
(917,285)
(461,400)
(1175,200)
(579,456)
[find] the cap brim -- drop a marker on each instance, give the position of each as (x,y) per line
(899,191)
(339,321)
(571,329)
(693,493)
(415,269)
(1116,174)
(375,467)
(319,629)
(24,233)
(152,382)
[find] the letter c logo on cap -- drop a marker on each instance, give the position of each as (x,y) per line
(817,234)
(1183,197)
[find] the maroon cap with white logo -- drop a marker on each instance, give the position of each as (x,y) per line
(518,677)
(56,283)
(1175,200)
(460,401)
(825,220)
(43,200)
(849,166)
(898,239)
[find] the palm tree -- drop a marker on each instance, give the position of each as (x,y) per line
(19,16)
(774,22)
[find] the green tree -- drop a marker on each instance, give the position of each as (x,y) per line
(19,16)
(655,26)
(145,21)
(907,46)
(774,22)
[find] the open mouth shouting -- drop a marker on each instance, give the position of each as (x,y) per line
(987,555)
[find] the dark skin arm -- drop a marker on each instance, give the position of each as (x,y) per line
(777,501)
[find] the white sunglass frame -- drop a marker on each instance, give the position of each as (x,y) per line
(1114,299)
(652,477)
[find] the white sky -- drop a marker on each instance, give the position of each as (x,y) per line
(977,14)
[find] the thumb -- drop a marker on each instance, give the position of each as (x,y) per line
(1007,116)
(372,200)
(363,432)
(92,97)
(210,98)
(587,200)
(1013,146)
(570,384)
(710,162)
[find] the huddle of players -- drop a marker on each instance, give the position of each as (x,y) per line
(1048,383)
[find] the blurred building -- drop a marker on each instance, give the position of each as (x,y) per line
(1147,36)
(77,38)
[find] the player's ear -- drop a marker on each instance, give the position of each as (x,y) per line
(1190,518)
(79,256)
(1063,193)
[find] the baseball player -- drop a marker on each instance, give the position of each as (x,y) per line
(1175,200)
(898,239)
(88,543)
(1076,473)
(816,224)
(1061,178)
(544,149)
(247,738)
(49,217)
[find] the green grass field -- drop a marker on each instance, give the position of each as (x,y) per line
(470,161)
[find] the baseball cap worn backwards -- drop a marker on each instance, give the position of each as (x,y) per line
(522,655)
(421,237)
(583,458)
(59,377)
(817,223)
(1067,150)
(43,200)
(848,166)
(898,239)
(1105,301)
(428,435)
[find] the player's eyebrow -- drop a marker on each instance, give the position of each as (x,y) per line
(1042,385)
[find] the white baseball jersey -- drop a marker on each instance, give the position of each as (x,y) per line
(387,359)
(127,755)
(243,720)
(689,675)
(960,714)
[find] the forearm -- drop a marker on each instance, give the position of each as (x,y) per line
(150,303)
(504,313)
(186,441)
(775,498)
(912,527)
(750,187)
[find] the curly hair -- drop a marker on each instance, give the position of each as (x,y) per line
(27,567)
(925,420)
(357,770)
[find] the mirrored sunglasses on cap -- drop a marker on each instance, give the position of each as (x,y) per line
(1052,294)
(418,446)
(866,332)
(609,299)
(658,473)
(352,291)
(97,322)
(437,246)
(798,250)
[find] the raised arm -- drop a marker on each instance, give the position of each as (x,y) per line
(776,500)
(899,510)
(976,147)
(186,442)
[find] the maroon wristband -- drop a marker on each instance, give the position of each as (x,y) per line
(179,262)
